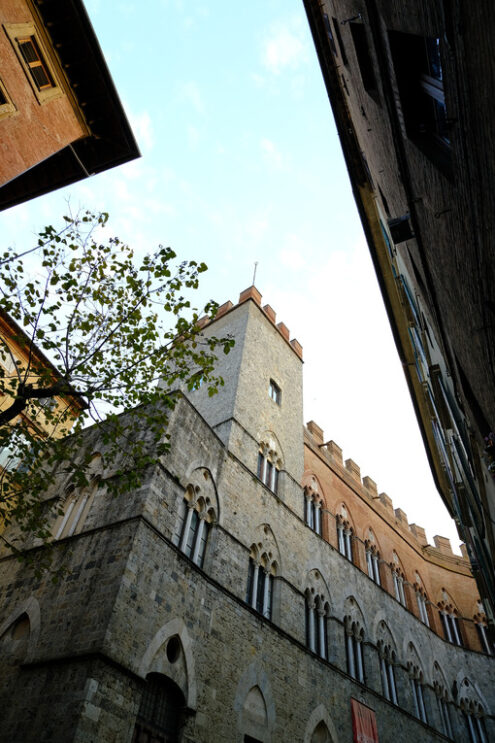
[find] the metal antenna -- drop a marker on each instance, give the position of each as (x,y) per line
(254,274)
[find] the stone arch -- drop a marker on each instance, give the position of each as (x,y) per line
(371,540)
(31,608)
(202,486)
(253,688)
(439,679)
(415,664)
(313,484)
(316,583)
(397,564)
(153,657)
(318,717)
(343,515)
(354,613)
(269,442)
(382,632)
(469,691)
(266,543)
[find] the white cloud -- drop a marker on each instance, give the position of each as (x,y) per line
(284,48)
(272,154)
(190,92)
(143,130)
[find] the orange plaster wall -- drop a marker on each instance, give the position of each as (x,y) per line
(34,131)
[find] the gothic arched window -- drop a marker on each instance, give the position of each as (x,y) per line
(354,636)
(387,669)
(317,610)
(196,525)
(261,571)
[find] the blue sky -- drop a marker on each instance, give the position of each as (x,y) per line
(241,163)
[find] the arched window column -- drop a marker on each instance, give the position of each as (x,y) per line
(443,707)
(421,601)
(344,537)
(473,715)
(198,519)
(372,562)
(317,611)
(354,636)
(313,510)
(260,582)
(416,681)
(387,671)
(450,624)
(269,466)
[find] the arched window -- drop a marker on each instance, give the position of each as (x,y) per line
(317,611)
(269,466)
(416,681)
(312,509)
(354,636)
(398,579)
(443,705)
(160,712)
(196,525)
(473,715)
(387,671)
(372,558)
(481,624)
(450,621)
(259,591)
(344,534)
(422,600)
(76,509)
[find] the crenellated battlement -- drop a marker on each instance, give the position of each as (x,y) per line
(253,294)
(382,503)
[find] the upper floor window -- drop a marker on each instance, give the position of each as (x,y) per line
(275,392)
(365,62)
(372,559)
(423,613)
(420,79)
(312,509)
(6,108)
(450,624)
(387,670)
(260,582)
(196,525)
(34,59)
(354,635)
(344,537)
(268,468)
(416,680)
(316,623)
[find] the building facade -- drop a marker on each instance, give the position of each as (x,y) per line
(60,116)
(415,119)
(254,588)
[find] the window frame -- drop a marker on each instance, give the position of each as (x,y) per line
(274,392)
(8,107)
(18,32)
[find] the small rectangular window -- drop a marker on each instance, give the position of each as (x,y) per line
(34,58)
(338,36)
(358,33)
(275,392)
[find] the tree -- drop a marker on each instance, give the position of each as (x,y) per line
(99,331)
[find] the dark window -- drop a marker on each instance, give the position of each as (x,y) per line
(418,68)
(339,40)
(275,392)
(160,711)
(358,32)
(37,66)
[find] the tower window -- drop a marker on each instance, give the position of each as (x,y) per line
(363,55)
(275,392)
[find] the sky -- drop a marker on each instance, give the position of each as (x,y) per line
(240,164)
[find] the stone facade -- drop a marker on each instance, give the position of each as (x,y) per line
(208,589)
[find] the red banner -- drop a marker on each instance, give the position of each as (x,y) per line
(364,728)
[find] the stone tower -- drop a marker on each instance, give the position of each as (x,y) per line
(260,406)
